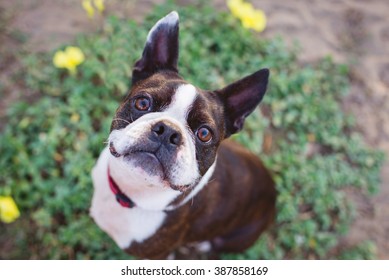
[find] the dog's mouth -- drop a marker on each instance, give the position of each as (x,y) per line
(113,151)
(130,152)
(149,162)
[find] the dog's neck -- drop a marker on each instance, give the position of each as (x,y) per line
(121,198)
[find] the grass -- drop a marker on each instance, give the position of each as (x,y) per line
(48,148)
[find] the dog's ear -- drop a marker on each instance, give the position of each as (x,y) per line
(241,98)
(161,49)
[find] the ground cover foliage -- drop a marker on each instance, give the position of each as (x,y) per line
(49,147)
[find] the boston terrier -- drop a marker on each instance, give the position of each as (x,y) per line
(168,177)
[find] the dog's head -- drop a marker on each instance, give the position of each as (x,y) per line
(167,131)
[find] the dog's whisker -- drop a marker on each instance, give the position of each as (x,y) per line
(120,119)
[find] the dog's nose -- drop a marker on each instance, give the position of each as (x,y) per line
(167,133)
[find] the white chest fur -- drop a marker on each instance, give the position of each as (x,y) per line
(124,225)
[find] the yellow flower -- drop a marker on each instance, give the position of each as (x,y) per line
(239,8)
(99,4)
(90,10)
(74,118)
(87,5)
(69,59)
(9,211)
(254,19)
(234,6)
(250,17)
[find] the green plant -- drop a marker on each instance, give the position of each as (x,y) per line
(49,147)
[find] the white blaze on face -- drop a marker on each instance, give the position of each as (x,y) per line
(184,170)
(182,102)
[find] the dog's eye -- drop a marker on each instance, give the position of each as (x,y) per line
(204,134)
(142,103)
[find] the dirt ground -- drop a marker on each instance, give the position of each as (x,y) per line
(351,31)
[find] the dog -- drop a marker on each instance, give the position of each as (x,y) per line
(168,175)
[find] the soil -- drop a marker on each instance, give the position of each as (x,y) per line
(355,32)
